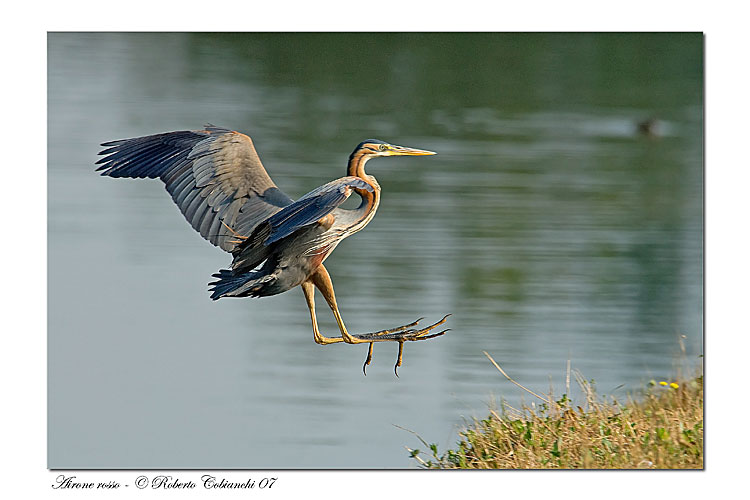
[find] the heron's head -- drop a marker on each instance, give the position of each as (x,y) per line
(373,148)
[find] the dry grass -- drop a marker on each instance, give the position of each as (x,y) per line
(662,430)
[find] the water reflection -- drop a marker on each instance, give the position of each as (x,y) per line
(546,224)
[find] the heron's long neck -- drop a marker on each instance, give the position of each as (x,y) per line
(356,166)
(370,199)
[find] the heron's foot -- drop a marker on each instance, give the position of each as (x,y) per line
(401,334)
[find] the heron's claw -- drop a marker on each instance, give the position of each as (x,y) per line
(401,334)
(367,361)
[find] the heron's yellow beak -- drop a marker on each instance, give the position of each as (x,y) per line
(404,151)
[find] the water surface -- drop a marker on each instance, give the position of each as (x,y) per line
(547,225)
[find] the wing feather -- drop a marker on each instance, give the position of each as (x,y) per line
(211,174)
(311,207)
(303,213)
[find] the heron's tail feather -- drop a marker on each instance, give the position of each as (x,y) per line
(238,285)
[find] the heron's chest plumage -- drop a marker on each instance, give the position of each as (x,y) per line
(368,207)
(321,239)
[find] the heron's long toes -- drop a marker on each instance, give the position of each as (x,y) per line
(368,360)
(399,358)
(424,333)
(428,328)
(424,336)
(401,334)
(398,328)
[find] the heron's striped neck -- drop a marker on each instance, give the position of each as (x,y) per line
(370,199)
(356,168)
(357,162)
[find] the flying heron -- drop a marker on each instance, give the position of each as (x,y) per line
(216,179)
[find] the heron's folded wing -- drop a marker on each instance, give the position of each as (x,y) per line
(213,175)
(311,207)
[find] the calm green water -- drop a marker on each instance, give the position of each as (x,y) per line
(546,224)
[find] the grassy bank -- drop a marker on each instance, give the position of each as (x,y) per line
(661,429)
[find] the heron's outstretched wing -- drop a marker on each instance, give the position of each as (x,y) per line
(213,175)
(311,207)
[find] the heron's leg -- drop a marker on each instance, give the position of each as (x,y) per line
(309,289)
(322,281)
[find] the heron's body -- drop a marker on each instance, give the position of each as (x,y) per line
(260,270)
(217,180)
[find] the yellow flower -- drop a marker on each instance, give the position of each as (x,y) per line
(673,385)
(662,383)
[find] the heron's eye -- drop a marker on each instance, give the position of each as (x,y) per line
(382,147)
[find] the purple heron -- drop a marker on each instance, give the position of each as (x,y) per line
(216,179)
